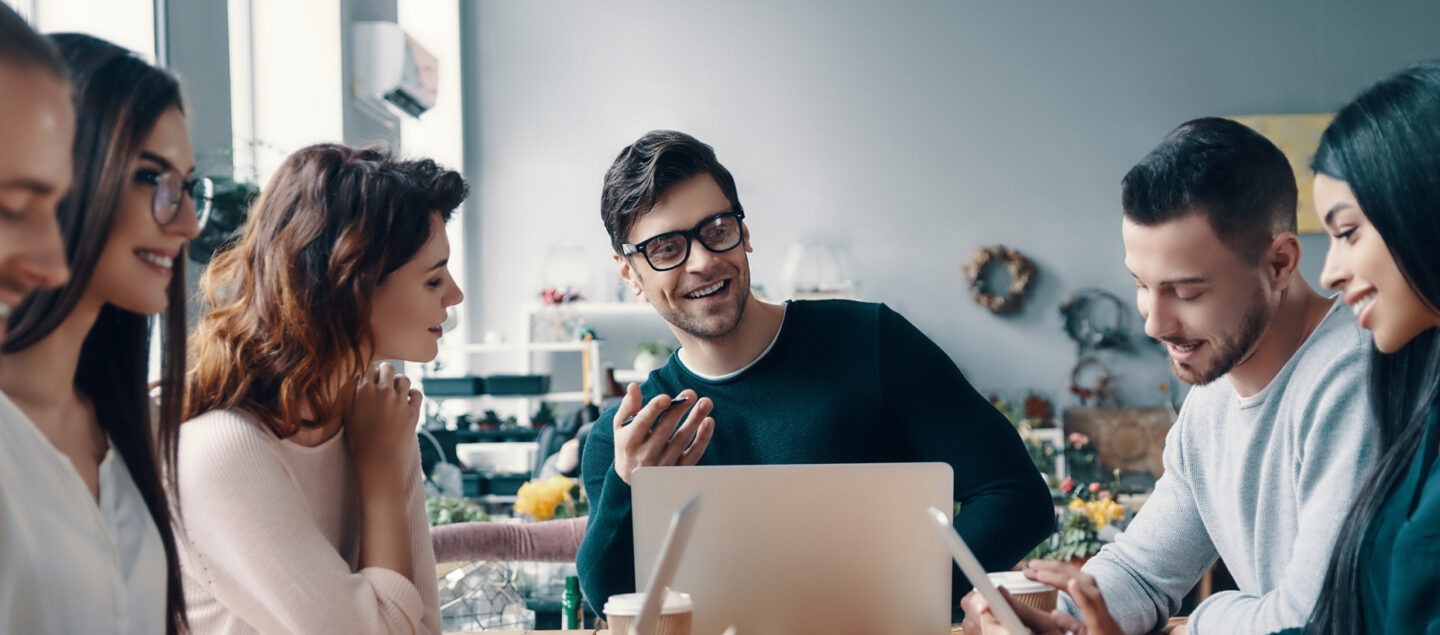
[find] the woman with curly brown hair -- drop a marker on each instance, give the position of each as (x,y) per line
(299,471)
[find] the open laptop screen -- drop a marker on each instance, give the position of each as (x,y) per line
(785,549)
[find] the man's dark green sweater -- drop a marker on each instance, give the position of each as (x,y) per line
(844,382)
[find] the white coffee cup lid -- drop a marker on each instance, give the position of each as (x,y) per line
(1016,583)
(630,603)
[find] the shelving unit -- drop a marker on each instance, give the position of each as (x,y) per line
(534,347)
(548,344)
(561,397)
(524,353)
(622,325)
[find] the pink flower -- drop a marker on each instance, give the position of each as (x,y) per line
(1078,440)
(1105,495)
(1067,485)
(1094,487)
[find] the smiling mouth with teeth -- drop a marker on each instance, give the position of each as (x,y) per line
(1184,348)
(156,259)
(707,291)
(1363,303)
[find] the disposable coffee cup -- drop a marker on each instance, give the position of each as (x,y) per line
(675,614)
(1026,591)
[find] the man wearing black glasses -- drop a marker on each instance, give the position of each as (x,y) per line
(832,381)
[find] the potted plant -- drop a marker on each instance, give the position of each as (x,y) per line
(230,205)
(490,420)
(651,355)
(544,499)
(1081,457)
(544,415)
(1092,518)
(444,510)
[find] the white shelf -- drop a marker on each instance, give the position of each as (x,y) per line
(544,396)
(521,347)
(526,355)
(626,375)
(586,307)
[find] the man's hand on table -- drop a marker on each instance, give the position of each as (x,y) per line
(1061,575)
(1082,588)
(980,620)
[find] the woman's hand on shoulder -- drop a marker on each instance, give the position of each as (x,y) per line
(380,421)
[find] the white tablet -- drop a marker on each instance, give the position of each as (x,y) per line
(976,574)
(670,553)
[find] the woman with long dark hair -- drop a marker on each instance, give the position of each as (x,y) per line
(299,469)
(75,360)
(1377,190)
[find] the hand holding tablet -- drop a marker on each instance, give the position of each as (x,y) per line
(970,566)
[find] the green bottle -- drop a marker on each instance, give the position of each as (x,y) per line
(570,604)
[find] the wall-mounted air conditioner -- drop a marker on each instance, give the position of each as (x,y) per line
(391,67)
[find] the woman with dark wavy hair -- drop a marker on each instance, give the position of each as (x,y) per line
(1377,190)
(299,469)
(75,361)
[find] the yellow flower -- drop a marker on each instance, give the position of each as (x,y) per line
(1077,505)
(539,499)
(1101,512)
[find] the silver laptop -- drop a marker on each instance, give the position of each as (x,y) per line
(785,549)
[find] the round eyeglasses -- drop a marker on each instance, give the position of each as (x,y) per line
(718,234)
(170,189)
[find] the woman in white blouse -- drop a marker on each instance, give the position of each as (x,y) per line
(85,536)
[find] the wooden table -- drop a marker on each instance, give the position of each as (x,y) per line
(956,630)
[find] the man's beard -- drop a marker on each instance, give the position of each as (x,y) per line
(1229,350)
(708,327)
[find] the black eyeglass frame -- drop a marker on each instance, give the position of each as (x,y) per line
(691,235)
(203,204)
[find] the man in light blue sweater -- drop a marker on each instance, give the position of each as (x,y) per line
(1275,438)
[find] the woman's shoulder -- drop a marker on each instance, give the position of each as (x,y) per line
(223,451)
(223,430)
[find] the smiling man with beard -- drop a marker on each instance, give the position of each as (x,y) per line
(826,381)
(1275,439)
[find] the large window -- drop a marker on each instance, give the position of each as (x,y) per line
(129,23)
(285,85)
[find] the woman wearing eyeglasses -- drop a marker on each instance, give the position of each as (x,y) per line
(74,363)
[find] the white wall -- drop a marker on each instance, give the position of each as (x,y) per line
(913,131)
